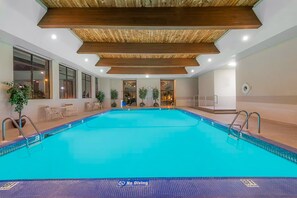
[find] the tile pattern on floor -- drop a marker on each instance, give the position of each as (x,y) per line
(195,187)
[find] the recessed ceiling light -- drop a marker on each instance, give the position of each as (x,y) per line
(86,60)
(245,38)
(101,70)
(54,37)
(232,64)
(209,60)
(192,70)
(147,76)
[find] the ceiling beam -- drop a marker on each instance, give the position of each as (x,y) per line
(147,62)
(147,70)
(147,48)
(152,18)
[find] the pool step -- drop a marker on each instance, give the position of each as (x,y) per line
(34,144)
(217,111)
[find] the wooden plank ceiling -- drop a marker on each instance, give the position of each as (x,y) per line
(149,36)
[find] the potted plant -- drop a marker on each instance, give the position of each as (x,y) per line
(142,95)
(18,96)
(114,95)
(155,96)
(100,97)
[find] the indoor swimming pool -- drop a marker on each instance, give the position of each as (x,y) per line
(156,143)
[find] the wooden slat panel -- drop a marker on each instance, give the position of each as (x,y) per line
(148,48)
(159,62)
(147,3)
(147,70)
(148,36)
(150,18)
(147,55)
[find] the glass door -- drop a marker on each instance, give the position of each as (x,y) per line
(167,92)
(130,92)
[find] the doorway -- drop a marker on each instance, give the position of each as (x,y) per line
(167,92)
(130,92)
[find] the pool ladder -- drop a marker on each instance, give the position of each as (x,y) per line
(246,122)
(21,132)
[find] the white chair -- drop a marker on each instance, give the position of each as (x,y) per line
(96,106)
(70,110)
(89,106)
(52,113)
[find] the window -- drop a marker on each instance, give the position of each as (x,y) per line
(130,92)
(67,78)
(167,92)
(86,85)
(29,69)
(96,85)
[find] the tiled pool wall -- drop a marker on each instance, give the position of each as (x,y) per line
(281,150)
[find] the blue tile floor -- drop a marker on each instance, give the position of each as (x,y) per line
(157,188)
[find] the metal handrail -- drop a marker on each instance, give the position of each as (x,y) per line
(18,127)
(259,120)
(34,126)
(246,119)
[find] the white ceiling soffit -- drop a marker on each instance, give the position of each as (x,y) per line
(19,18)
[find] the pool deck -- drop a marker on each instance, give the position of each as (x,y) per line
(153,188)
(279,132)
(163,188)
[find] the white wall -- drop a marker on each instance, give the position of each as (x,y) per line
(185,90)
(118,85)
(104,85)
(206,84)
(272,74)
(218,85)
(225,88)
(6,61)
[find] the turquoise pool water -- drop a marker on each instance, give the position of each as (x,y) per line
(143,143)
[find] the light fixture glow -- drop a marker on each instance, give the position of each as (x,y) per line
(101,70)
(192,70)
(54,37)
(232,64)
(42,72)
(86,60)
(147,76)
(209,60)
(62,88)
(245,38)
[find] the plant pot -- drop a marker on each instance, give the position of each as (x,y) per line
(156,104)
(17,121)
(142,104)
(113,104)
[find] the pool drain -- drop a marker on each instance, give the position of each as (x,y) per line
(8,185)
(249,183)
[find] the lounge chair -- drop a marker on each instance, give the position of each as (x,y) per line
(70,110)
(52,113)
(89,106)
(96,106)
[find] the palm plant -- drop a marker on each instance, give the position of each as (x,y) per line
(142,95)
(100,96)
(18,97)
(114,95)
(155,96)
